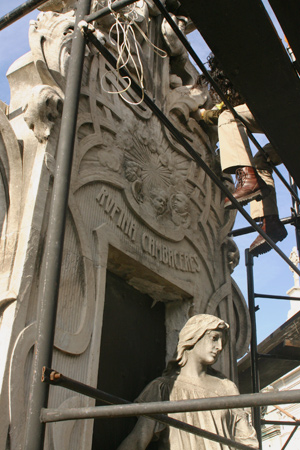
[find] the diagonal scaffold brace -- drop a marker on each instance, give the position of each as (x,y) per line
(55,378)
(195,155)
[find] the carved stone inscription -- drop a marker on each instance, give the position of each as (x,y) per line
(120,217)
(185,262)
(139,206)
(148,243)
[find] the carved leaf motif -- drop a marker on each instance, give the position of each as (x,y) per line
(50,40)
(109,159)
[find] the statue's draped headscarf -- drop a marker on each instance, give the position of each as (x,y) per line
(193,331)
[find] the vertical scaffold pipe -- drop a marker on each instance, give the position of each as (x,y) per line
(253,346)
(295,213)
(50,275)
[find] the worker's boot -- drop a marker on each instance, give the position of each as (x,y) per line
(249,186)
(274,228)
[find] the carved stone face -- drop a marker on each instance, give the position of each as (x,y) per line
(208,348)
(160,204)
(180,203)
(159,201)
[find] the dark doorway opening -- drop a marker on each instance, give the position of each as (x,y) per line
(133,349)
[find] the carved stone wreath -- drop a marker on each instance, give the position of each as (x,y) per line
(156,174)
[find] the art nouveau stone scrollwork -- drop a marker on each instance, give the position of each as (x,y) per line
(139,206)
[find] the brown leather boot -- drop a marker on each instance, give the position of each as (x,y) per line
(275,229)
(249,186)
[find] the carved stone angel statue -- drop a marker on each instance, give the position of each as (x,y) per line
(189,376)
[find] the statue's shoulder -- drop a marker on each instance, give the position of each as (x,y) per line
(228,386)
(157,390)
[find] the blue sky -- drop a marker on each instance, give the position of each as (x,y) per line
(14,43)
(272,274)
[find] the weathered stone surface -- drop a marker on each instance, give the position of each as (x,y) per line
(138,206)
(189,375)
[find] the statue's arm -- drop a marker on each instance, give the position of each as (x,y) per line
(243,431)
(140,436)
(146,429)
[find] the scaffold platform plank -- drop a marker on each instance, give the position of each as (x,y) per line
(243,38)
(283,343)
(288,15)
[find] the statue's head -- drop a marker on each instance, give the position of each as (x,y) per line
(159,200)
(203,329)
(180,203)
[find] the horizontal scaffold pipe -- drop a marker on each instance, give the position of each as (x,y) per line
(195,155)
(280,422)
(206,404)
(57,379)
(199,432)
(116,6)
(277,297)
(247,230)
(19,12)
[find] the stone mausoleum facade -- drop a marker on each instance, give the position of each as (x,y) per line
(146,242)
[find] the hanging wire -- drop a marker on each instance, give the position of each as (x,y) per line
(127,45)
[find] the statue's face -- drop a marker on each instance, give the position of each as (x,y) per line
(160,204)
(208,348)
(180,203)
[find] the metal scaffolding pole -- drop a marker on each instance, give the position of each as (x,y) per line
(276,297)
(57,379)
(295,213)
(289,438)
(223,97)
(19,12)
(136,88)
(116,6)
(247,230)
(167,407)
(280,422)
(253,344)
(49,281)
